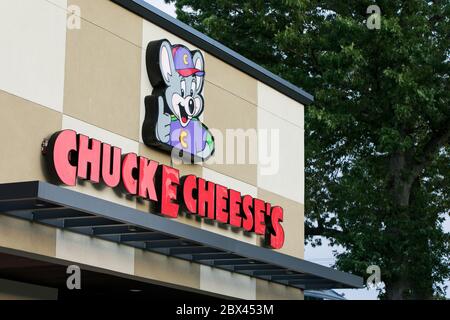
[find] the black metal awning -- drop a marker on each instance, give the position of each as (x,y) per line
(63,208)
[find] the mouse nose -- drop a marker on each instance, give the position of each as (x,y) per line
(191,106)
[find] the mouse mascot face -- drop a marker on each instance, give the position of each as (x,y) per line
(172,110)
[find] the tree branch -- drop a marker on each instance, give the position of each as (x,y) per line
(322,231)
(438,140)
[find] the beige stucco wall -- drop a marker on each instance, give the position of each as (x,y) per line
(93,80)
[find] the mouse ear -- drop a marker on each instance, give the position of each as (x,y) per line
(159,60)
(199,63)
(166,63)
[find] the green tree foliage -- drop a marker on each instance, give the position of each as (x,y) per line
(377,136)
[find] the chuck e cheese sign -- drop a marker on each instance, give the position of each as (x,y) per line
(171,122)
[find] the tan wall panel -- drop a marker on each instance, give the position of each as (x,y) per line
(111,17)
(13,290)
(102,83)
(32,55)
(154,154)
(227,283)
(25,125)
(230,78)
(27,236)
(281,168)
(186,168)
(166,269)
(293,223)
(277,103)
(94,251)
(152,32)
(266,290)
(223,111)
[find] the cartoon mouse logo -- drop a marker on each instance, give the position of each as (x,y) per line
(172,110)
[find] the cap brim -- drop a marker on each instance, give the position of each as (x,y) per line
(190,71)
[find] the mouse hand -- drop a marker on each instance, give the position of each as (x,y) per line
(163,124)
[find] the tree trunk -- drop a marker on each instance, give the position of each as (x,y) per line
(397,290)
(401,185)
(401,191)
(402,180)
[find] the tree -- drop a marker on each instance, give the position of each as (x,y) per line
(378,133)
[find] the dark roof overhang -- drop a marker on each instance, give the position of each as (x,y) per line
(56,206)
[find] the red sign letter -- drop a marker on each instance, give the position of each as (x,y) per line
(259,213)
(147,170)
(111,165)
(247,204)
(205,197)
(62,146)
(221,203)
(235,208)
(276,236)
(88,158)
(170,179)
(129,173)
(189,185)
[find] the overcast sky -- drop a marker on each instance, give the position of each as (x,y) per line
(160,4)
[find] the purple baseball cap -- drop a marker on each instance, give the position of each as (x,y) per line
(184,64)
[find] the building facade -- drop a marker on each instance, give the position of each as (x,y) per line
(83,65)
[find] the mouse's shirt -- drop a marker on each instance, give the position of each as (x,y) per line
(192,138)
